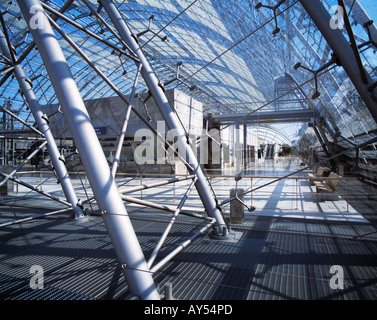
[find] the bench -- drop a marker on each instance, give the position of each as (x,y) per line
(327,190)
(318,175)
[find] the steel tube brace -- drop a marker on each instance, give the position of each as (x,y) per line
(43,126)
(118,224)
(172,121)
(343,52)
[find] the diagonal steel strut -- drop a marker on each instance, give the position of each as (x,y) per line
(202,185)
(344,53)
(53,151)
(120,229)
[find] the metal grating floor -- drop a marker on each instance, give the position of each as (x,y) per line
(276,258)
(287,248)
(275,265)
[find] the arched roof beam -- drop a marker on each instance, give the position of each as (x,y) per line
(345,53)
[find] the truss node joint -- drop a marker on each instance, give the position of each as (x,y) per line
(333,60)
(274,8)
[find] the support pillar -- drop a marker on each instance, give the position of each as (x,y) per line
(238,150)
(245,153)
(44,128)
(171,120)
(118,224)
(237,211)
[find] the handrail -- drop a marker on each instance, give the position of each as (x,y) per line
(209,175)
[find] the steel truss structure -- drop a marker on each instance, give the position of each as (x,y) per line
(115,35)
(138,272)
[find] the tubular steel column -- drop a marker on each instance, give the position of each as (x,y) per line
(172,122)
(344,53)
(120,229)
(238,150)
(43,126)
(245,153)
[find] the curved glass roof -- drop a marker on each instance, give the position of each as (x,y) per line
(228,50)
(270,136)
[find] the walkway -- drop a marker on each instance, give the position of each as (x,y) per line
(288,245)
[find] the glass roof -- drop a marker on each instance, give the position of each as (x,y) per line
(228,50)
